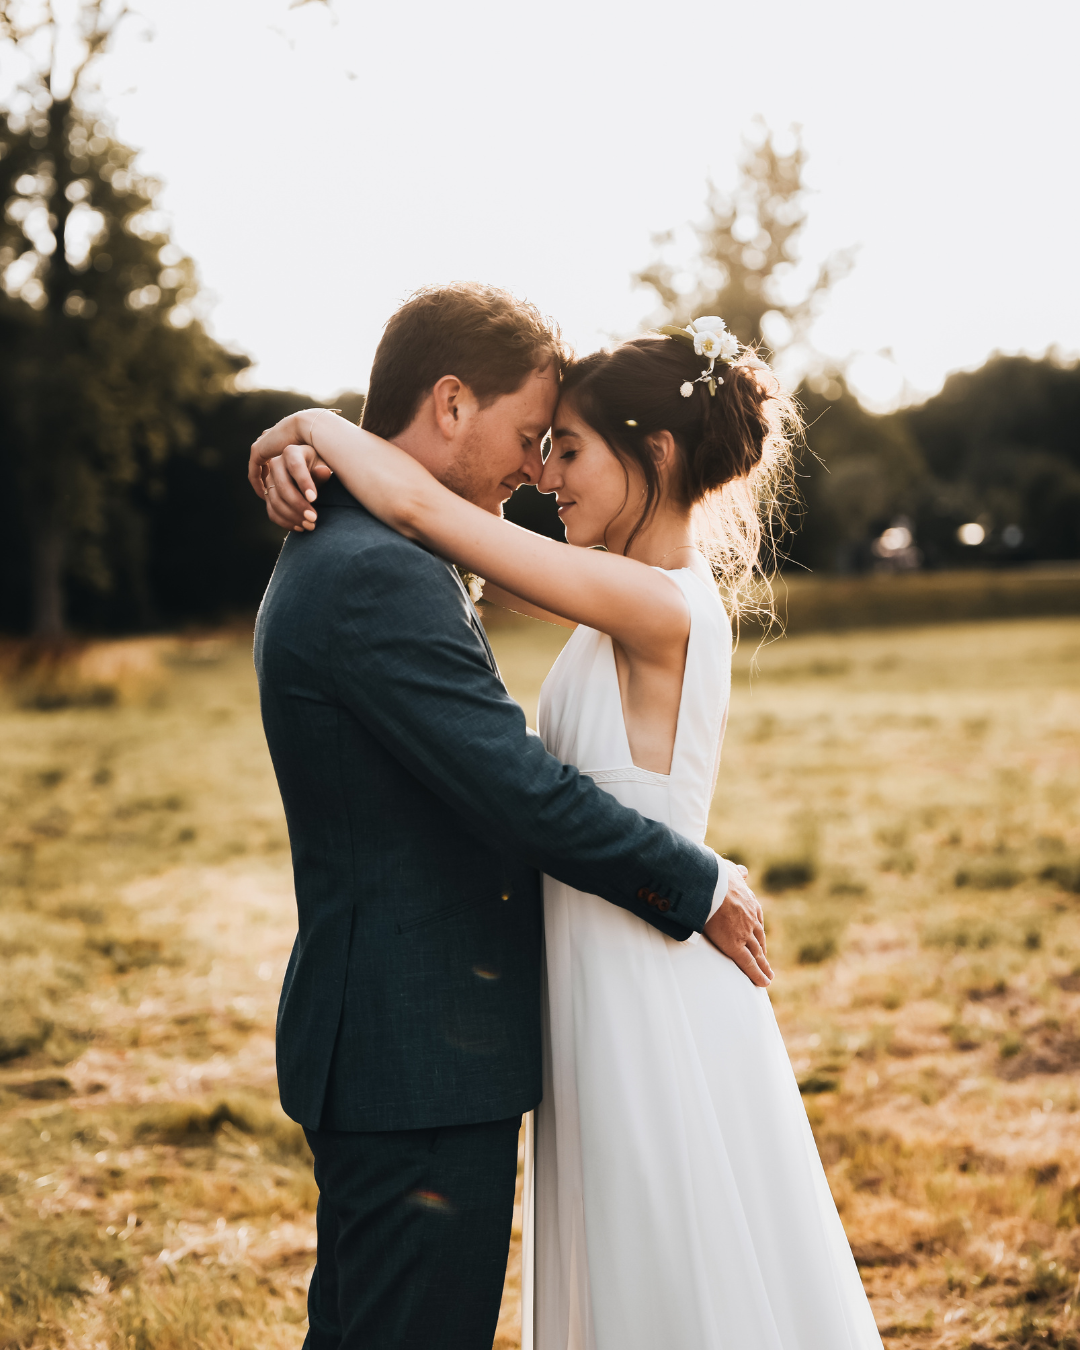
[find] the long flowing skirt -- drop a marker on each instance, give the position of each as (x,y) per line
(677,1198)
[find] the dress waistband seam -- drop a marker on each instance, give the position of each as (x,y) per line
(630,774)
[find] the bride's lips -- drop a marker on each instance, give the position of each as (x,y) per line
(565,506)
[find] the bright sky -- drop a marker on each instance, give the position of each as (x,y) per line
(322,162)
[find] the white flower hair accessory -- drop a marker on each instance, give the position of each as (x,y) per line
(709,338)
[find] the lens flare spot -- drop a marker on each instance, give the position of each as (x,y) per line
(431,1200)
(972,534)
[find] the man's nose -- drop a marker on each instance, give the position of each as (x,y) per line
(533,466)
(549,479)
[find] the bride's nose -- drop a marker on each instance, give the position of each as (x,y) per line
(550,480)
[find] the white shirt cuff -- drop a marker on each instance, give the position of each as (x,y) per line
(721,886)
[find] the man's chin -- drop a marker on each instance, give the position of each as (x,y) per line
(492,500)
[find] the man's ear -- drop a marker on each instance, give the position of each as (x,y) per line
(453,404)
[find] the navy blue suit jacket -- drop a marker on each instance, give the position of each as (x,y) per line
(421,811)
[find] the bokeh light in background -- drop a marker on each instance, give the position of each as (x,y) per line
(322,162)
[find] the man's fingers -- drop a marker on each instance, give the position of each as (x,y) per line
(759,956)
(757,952)
(750,968)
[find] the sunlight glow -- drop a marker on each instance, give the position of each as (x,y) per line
(353,154)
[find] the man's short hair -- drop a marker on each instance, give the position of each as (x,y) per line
(487,338)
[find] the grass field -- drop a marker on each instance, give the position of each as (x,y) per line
(906,799)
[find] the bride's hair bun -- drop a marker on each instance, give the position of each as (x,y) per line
(734,444)
(734,430)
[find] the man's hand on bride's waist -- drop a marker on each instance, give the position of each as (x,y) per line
(737,928)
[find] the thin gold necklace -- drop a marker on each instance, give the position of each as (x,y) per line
(675,550)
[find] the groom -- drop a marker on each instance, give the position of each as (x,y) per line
(421,812)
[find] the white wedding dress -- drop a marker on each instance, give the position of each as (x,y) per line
(674,1195)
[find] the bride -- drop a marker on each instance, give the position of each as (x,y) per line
(678,1201)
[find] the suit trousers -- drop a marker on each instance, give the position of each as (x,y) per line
(413,1236)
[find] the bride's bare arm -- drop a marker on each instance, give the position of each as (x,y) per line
(637,605)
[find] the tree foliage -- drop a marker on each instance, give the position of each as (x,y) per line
(745,269)
(997,447)
(1002,448)
(858,474)
(103,359)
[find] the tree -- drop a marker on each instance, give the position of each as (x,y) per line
(103,358)
(1001,443)
(860,473)
(745,269)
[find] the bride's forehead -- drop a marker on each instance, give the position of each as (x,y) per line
(568,421)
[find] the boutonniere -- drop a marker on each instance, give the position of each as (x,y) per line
(472,583)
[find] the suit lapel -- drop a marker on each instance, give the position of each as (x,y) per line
(476,622)
(478,625)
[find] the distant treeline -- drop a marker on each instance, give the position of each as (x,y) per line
(188,542)
(997,449)
(124,429)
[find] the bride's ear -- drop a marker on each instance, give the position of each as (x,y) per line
(662,447)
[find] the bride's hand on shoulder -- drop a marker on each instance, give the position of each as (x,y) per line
(284,471)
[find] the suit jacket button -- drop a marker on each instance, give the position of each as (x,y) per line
(663,906)
(643,894)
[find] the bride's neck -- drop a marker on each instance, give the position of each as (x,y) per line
(666,541)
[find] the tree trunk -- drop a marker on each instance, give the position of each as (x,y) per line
(48,580)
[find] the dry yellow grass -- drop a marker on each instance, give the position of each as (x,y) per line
(911,797)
